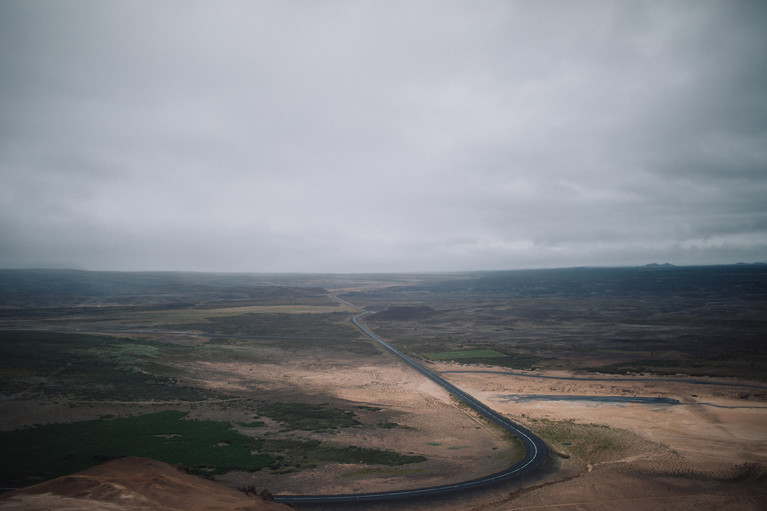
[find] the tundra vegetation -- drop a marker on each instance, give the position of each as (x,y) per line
(198,369)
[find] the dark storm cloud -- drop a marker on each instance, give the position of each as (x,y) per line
(367,136)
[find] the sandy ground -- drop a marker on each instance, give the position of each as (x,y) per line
(711,425)
(707,452)
(457,444)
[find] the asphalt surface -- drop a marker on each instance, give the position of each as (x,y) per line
(535,449)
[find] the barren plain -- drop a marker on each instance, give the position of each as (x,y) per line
(647,385)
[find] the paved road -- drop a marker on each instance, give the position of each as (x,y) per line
(535,449)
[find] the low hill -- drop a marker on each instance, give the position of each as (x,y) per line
(136,484)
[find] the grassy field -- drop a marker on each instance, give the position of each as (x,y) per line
(204,446)
(293,454)
(90,367)
(587,443)
(52,450)
(309,417)
(87,371)
(487,356)
(706,321)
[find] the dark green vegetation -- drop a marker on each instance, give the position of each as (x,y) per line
(206,447)
(484,356)
(295,455)
(308,326)
(307,416)
(89,367)
(103,345)
(97,342)
(54,450)
(664,320)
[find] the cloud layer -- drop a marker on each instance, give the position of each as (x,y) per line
(381,136)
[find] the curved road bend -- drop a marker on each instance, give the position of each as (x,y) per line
(535,449)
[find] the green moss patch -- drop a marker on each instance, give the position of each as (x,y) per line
(309,417)
(35,454)
(88,367)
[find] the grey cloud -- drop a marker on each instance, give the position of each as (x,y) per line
(326,136)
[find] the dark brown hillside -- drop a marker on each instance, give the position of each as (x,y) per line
(136,484)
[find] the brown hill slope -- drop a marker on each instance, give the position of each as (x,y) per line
(139,484)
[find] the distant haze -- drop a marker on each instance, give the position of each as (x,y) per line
(352,136)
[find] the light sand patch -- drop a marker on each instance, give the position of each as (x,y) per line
(705,428)
(457,444)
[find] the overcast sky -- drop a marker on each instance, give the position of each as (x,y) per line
(365,136)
